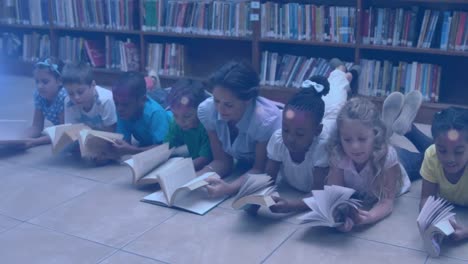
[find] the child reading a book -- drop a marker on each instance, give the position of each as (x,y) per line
(86,102)
(185,129)
(362,159)
(444,169)
(138,115)
(49,97)
(239,124)
(297,152)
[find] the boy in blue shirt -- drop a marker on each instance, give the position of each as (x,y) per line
(138,115)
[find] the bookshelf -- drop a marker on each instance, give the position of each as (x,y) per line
(204,52)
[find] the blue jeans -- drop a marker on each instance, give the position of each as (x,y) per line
(412,161)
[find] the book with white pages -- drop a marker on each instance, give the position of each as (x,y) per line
(95,143)
(62,136)
(329,206)
(181,188)
(258,189)
(434,223)
(13,132)
(146,166)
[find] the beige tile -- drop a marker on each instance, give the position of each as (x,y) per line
(41,157)
(31,244)
(28,192)
(323,245)
(415,190)
(122,257)
(218,237)
(7,223)
(445,260)
(402,223)
(109,214)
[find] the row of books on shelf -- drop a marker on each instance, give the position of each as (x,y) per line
(447,30)
(108,14)
(29,47)
(227,18)
(111,54)
(380,78)
(308,22)
(26,12)
(166,59)
(285,70)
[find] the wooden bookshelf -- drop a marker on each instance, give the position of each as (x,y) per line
(250,48)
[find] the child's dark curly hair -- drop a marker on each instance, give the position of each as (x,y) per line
(187,92)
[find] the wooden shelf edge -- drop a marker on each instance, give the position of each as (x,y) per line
(308,42)
(198,36)
(21,26)
(415,50)
(98,30)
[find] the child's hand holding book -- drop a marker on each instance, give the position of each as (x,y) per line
(460,233)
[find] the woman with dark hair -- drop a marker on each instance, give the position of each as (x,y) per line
(239,124)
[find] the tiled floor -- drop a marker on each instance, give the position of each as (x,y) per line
(59,210)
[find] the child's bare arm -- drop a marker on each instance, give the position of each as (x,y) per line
(272,168)
(37,126)
(384,207)
(428,189)
(200,162)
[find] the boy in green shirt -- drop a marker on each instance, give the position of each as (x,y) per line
(186,129)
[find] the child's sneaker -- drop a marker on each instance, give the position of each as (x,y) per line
(413,101)
(335,63)
(391,109)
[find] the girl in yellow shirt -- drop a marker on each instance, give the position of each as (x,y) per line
(444,169)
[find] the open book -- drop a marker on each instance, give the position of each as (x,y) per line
(433,223)
(95,143)
(62,136)
(146,166)
(12,132)
(181,188)
(330,206)
(258,189)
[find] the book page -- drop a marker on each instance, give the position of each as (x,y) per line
(200,181)
(13,131)
(144,162)
(175,177)
(254,183)
(154,174)
(197,201)
(98,144)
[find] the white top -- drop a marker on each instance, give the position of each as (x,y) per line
(102,112)
(356,180)
(260,120)
(298,175)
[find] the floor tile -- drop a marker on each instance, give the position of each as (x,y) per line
(415,190)
(41,157)
(7,223)
(402,223)
(31,244)
(122,257)
(109,214)
(445,260)
(27,192)
(323,245)
(218,237)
